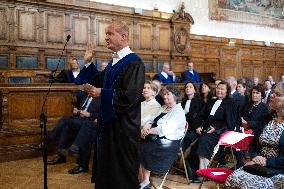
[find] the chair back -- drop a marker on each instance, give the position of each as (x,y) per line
(235,140)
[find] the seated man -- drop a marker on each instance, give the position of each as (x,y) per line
(83,123)
(68,76)
(190,75)
(166,75)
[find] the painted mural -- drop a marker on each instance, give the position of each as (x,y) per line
(263,12)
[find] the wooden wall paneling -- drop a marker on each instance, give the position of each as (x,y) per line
(3,23)
(11,15)
(81,29)
(258,71)
(228,62)
(280,57)
(179,66)
(164,34)
(101,26)
(23,110)
(257,53)
(55,27)
(197,50)
(212,51)
(279,72)
(146,36)
(26,22)
(212,65)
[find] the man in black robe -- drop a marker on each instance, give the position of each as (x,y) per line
(121,96)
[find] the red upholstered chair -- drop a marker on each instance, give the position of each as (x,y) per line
(231,139)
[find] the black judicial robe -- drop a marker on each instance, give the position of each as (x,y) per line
(121,96)
(225,118)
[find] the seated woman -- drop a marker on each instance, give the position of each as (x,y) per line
(255,111)
(193,108)
(221,116)
(194,111)
(267,150)
(150,106)
(168,125)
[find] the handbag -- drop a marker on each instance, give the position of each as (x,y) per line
(259,170)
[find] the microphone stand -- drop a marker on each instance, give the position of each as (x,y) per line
(43,120)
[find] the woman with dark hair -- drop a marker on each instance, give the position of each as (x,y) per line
(255,111)
(221,116)
(194,111)
(266,151)
(161,137)
(244,91)
(205,92)
(193,108)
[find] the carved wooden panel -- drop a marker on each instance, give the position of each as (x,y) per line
(81,29)
(229,57)
(245,53)
(247,71)
(280,57)
(23,109)
(101,32)
(55,28)
(269,54)
(164,33)
(145,36)
(279,72)
(197,50)
(212,51)
(257,54)
(27,25)
(258,71)
(3,23)
(230,71)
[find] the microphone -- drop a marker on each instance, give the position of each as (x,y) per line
(68,37)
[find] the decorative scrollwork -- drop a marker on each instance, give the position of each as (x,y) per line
(181,40)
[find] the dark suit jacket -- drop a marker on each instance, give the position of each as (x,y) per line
(255,115)
(162,79)
(187,76)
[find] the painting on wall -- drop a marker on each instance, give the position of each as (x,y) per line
(260,12)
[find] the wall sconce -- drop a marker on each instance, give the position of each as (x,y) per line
(267,43)
(156,7)
(232,43)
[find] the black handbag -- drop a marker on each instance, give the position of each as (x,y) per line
(259,170)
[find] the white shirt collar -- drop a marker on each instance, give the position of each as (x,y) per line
(87,65)
(164,74)
(232,92)
(121,54)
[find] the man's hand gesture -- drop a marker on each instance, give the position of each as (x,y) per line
(89,53)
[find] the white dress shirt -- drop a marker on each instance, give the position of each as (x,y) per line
(171,125)
(148,110)
(75,74)
(121,54)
